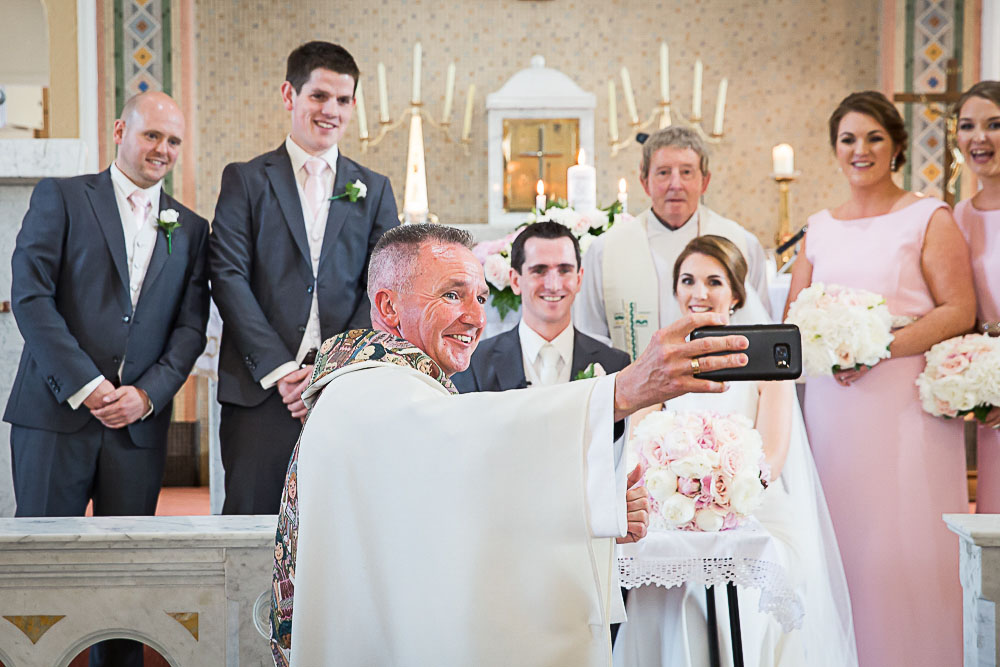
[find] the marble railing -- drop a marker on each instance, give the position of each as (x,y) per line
(979,572)
(195,589)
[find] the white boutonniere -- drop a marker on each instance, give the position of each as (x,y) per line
(353,191)
(168,222)
(591,371)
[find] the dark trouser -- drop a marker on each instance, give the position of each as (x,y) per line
(256,445)
(56,474)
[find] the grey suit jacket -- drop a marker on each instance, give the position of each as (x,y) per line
(262,278)
(497,364)
(71,301)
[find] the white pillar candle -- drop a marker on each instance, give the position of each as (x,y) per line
(467,123)
(540,197)
(581,185)
(784,160)
(415,193)
(449,93)
(664,73)
(359,100)
(416,72)
(720,106)
(696,95)
(612,110)
(629,99)
(623,194)
(383,95)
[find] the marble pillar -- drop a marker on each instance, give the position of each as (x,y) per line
(979,571)
(23,162)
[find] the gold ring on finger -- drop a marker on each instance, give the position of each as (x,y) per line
(695,365)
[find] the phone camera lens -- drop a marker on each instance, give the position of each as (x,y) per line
(782,355)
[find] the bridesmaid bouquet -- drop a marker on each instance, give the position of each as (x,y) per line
(962,376)
(842,328)
(703,471)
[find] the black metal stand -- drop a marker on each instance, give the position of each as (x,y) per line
(735,633)
(734,624)
(713,628)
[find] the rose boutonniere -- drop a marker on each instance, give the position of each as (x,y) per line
(353,191)
(168,223)
(591,371)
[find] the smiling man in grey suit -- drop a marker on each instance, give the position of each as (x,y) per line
(288,258)
(544,348)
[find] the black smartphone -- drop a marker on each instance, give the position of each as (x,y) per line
(775,352)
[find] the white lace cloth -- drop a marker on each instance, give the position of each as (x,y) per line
(746,556)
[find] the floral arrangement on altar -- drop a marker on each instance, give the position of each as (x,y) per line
(495,255)
(962,377)
(842,328)
(704,471)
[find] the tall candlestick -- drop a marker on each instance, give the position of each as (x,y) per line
(416,72)
(629,99)
(415,193)
(581,185)
(664,73)
(623,195)
(696,95)
(449,93)
(383,95)
(467,124)
(720,107)
(784,160)
(612,110)
(540,197)
(359,100)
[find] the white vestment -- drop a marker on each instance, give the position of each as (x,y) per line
(454,530)
(632,282)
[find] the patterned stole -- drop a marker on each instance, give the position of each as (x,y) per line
(353,347)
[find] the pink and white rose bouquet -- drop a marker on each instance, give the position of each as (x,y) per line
(703,471)
(962,376)
(842,328)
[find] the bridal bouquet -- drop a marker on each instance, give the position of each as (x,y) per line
(703,471)
(842,328)
(495,255)
(962,376)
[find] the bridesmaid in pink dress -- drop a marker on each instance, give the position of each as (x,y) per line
(978,112)
(889,469)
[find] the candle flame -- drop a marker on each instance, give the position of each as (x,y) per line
(581,157)
(622,186)
(540,187)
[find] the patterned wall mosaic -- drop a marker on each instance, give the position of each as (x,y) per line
(788,61)
(142,45)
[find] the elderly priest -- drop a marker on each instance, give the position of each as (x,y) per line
(420,527)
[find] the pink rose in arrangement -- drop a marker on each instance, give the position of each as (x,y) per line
(961,377)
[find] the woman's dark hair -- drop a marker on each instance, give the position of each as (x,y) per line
(876,105)
(988,90)
(725,253)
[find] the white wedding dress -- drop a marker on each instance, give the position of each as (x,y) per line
(667,626)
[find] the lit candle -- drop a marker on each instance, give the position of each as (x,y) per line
(467,124)
(696,95)
(623,194)
(359,100)
(449,93)
(416,73)
(383,95)
(581,185)
(540,197)
(612,110)
(629,99)
(664,73)
(784,160)
(720,107)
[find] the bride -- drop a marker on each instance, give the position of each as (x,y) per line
(667,626)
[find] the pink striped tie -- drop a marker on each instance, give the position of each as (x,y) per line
(314,189)
(140,204)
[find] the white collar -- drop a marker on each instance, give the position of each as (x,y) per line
(532,342)
(659,228)
(126,187)
(299,156)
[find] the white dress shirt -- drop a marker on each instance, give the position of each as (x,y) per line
(531,344)
(139,243)
(315,231)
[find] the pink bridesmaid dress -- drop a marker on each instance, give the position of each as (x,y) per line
(982,232)
(888,468)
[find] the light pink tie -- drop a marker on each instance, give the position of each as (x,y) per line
(314,189)
(140,205)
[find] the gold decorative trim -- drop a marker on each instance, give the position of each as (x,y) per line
(34,627)
(189,619)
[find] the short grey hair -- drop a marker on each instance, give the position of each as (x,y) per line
(673,137)
(395,254)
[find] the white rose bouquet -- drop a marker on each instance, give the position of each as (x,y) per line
(703,471)
(962,376)
(842,328)
(495,255)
